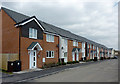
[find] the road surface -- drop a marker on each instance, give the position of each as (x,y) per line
(106,71)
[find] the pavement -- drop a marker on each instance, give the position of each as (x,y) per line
(106,71)
(24,77)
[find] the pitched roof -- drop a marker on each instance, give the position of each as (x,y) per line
(18,17)
(32,45)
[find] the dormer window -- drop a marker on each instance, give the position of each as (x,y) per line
(33,33)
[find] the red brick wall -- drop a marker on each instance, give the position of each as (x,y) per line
(24,56)
(70,48)
(10,35)
(50,46)
(80,46)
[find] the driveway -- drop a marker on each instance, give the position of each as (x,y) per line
(106,71)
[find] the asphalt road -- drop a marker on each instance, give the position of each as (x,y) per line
(106,71)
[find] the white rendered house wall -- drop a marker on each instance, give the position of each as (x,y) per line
(83,49)
(63,48)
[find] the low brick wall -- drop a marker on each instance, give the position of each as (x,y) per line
(4,58)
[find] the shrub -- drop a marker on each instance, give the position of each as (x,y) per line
(49,65)
(59,63)
(74,62)
(91,59)
(77,61)
(63,63)
(101,58)
(70,62)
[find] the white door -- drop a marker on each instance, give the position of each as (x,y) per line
(73,56)
(77,57)
(65,57)
(33,59)
(90,55)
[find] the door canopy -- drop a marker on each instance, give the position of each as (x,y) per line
(76,50)
(35,45)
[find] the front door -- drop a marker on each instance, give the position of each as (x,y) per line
(65,57)
(75,57)
(33,59)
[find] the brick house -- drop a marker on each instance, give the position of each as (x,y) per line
(36,43)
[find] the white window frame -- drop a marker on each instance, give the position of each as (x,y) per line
(88,46)
(83,45)
(93,46)
(33,33)
(75,43)
(52,55)
(49,38)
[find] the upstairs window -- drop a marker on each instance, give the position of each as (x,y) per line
(88,46)
(75,43)
(49,38)
(93,47)
(32,33)
(83,45)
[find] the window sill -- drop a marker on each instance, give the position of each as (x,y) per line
(50,42)
(49,57)
(32,38)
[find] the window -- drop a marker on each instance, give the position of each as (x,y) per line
(88,45)
(49,38)
(32,33)
(75,43)
(93,47)
(50,54)
(83,45)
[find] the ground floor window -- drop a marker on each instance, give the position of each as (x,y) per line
(50,54)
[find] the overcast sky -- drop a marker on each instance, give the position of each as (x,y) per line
(95,20)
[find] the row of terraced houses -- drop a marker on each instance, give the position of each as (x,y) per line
(36,43)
